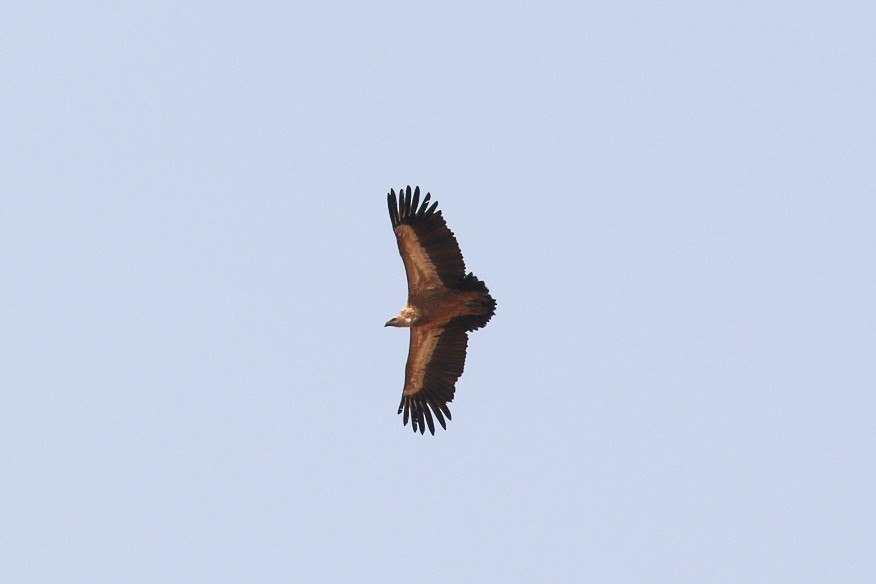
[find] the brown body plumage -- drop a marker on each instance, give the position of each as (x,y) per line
(444,304)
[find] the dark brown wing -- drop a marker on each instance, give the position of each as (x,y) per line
(428,248)
(436,358)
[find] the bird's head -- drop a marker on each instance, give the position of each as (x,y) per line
(399,320)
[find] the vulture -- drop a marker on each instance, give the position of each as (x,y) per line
(444,305)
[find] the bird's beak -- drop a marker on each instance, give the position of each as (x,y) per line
(390,322)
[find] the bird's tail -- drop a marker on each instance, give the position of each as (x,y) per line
(482,304)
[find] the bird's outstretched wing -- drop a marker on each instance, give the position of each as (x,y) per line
(436,358)
(428,248)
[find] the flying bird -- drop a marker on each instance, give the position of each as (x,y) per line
(444,305)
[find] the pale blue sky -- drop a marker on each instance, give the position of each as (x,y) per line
(673,204)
